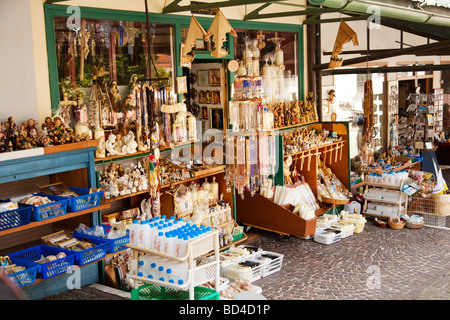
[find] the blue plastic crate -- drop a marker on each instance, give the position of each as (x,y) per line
(114,245)
(85,200)
(14,218)
(46,211)
(92,254)
(24,277)
(46,270)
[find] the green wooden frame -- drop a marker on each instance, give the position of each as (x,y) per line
(178,22)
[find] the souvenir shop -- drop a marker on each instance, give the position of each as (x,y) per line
(171,135)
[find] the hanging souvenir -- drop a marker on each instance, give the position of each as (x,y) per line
(154,184)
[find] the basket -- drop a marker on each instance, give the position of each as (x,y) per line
(442,204)
(414,225)
(327,236)
(113,245)
(15,218)
(92,254)
(24,277)
(85,200)
(46,211)
(46,270)
(334,201)
(154,292)
(396,223)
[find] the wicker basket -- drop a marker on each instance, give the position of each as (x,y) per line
(442,204)
(396,223)
(414,225)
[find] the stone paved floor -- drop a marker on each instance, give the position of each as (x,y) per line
(408,264)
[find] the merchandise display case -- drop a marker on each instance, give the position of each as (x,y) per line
(261,212)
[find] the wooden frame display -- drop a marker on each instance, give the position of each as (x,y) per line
(57,189)
(203,78)
(214,78)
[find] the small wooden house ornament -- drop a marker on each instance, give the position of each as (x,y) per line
(195,32)
(218,30)
(345,34)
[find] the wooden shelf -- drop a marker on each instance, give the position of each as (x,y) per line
(122,157)
(332,144)
(125,196)
(69,215)
(200,175)
(296,125)
(71,146)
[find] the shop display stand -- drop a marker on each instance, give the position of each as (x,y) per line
(260,212)
(61,164)
(401,200)
(197,275)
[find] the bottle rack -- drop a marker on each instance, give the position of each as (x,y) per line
(197,273)
(401,200)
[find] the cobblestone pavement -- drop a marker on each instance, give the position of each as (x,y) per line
(377,264)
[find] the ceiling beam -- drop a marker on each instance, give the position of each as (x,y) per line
(394,69)
(174,7)
(389,54)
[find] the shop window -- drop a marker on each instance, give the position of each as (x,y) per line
(116,50)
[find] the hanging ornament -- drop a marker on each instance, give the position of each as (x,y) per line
(218,30)
(195,32)
(154,184)
(104,29)
(131,32)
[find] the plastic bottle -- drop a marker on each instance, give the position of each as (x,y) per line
(179,272)
(140,234)
(169,244)
(159,241)
(148,240)
(133,232)
(154,234)
(144,263)
(146,234)
(181,245)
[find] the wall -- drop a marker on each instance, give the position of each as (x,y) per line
(18,77)
(24,83)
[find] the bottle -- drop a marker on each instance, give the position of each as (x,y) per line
(148,240)
(146,234)
(161,269)
(155,232)
(133,232)
(140,234)
(179,272)
(169,244)
(159,241)
(144,265)
(181,245)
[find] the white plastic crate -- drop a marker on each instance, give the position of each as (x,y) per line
(272,261)
(327,236)
(236,270)
(347,229)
